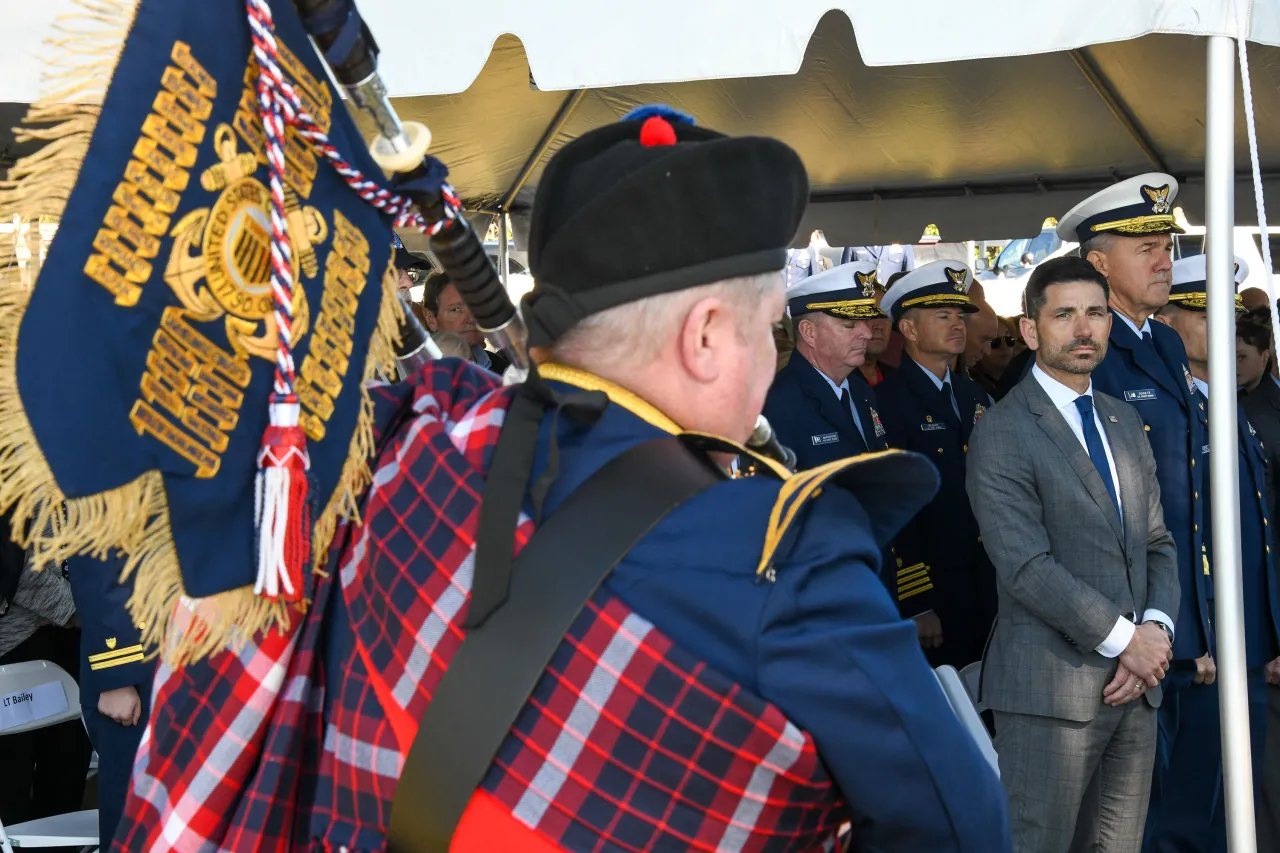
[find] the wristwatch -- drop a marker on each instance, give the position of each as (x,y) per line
(1163,627)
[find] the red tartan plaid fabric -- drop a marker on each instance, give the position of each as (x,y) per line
(628,742)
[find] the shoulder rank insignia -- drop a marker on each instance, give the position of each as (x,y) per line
(875,419)
(978,411)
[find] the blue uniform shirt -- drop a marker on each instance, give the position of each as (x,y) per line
(1154,378)
(804,409)
(816,634)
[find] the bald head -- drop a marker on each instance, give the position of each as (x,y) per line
(981,329)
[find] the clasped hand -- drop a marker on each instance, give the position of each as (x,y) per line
(1142,664)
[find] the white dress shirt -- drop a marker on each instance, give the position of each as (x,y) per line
(1064,399)
(839,389)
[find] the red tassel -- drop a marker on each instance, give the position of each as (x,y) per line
(283,512)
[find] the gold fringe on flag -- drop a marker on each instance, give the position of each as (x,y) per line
(132,519)
(86,51)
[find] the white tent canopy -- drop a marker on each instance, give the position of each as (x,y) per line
(895,133)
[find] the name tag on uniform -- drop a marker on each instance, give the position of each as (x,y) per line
(827,438)
(932,427)
(1143,394)
(34,703)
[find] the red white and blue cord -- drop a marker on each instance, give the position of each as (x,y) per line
(282,509)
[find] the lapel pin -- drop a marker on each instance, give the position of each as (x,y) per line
(1112,418)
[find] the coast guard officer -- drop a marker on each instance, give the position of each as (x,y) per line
(1187,806)
(820,404)
(115,680)
(944,579)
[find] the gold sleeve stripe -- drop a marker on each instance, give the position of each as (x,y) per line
(907,586)
(796,491)
(902,596)
(115,653)
(907,580)
(106,664)
(914,568)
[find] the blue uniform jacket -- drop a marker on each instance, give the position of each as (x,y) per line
(1258,573)
(807,626)
(111,653)
(807,416)
(943,564)
(1157,383)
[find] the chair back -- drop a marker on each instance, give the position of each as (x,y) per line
(36,694)
(971,675)
(965,710)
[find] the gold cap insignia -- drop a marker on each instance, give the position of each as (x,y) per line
(1159,197)
(868,282)
(957,279)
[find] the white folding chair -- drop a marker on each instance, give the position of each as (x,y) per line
(971,675)
(965,710)
(35,695)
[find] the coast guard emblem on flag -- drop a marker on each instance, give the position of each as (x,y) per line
(162,308)
(957,278)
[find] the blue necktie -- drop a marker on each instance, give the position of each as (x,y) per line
(1146,339)
(1093,441)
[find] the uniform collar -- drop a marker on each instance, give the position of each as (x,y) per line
(617,395)
(1146,324)
(933,377)
(838,389)
(1202,385)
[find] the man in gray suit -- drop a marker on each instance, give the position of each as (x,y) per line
(1063,483)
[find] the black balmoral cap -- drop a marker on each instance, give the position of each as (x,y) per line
(653,205)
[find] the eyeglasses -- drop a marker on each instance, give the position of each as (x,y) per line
(1006,341)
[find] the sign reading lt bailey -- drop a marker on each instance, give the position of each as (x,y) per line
(149,352)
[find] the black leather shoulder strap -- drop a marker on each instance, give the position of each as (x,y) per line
(500,662)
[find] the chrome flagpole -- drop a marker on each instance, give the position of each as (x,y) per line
(1233,691)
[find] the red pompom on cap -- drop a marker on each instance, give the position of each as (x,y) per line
(655,131)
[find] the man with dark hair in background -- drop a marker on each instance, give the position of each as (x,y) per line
(445,311)
(1124,232)
(1063,482)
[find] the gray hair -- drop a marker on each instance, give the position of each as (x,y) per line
(1097,243)
(632,335)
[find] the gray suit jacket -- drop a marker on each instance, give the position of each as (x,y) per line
(1065,567)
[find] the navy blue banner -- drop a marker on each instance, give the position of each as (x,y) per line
(149,342)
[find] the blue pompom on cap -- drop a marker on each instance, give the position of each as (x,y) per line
(663,111)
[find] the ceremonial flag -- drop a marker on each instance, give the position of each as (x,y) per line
(136,372)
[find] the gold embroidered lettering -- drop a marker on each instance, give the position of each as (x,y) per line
(127,239)
(197,384)
(332,341)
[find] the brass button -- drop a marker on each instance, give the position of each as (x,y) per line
(939,449)
(966,448)
(1266,523)
(1195,528)
(1193,463)
(1259,494)
(1147,428)
(1195,496)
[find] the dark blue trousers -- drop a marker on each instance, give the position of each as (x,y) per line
(116,746)
(1187,812)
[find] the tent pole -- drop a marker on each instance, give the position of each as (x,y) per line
(1233,692)
(1104,89)
(504,259)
